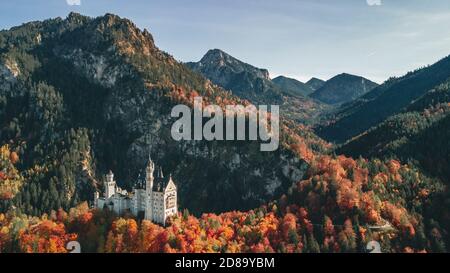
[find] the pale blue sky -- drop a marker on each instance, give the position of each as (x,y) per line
(296,38)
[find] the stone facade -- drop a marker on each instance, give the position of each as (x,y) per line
(154,196)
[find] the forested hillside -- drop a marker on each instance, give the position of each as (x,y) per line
(339,206)
(384,101)
(82,96)
(421,133)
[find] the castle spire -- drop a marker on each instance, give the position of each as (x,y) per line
(149,174)
(150,163)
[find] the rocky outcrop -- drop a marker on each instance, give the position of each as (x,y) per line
(9,71)
(242,79)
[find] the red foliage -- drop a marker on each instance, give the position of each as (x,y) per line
(46,237)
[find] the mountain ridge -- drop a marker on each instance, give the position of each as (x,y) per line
(295,87)
(254,84)
(384,101)
(343,88)
(315,83)
(403,135)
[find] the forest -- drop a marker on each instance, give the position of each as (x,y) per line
(340,206)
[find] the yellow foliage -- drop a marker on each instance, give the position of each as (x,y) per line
(10,179)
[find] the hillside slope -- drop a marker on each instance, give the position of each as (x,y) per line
(419,133)
(82,96)
(384,101)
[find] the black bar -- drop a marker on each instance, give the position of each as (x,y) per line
(226,262)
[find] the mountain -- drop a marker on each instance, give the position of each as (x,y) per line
(419,133)
(343,88)
(293,86)
(254,84)
(244,80)
(315,83)
(81,96)
(388,99)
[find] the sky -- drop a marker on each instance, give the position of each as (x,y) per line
(301,39)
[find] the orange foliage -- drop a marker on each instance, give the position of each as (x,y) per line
(46,237)
(14,157)
(303,151)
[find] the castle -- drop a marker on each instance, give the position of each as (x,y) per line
(154,197)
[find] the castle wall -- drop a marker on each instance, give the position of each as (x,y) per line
(157,207)
(139,201)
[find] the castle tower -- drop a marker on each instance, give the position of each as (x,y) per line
(170,200)
(149,175)
(96,197)
(110,185)
(149,178)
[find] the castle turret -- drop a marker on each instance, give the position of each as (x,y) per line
(96,197)
(170,200)
(110,185)
(149,188)
(149,175)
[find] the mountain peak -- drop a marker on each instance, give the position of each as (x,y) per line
(343,88)
(123,33)
(315,79)
(347,75)
(112,19)
(215,52)
(279,78)
(294,86)
(315,83)
(73,15)
(77,18)
(216,59)
(103,22)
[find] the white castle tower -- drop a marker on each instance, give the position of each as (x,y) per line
(155,198)
(149,188)
(110,185)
